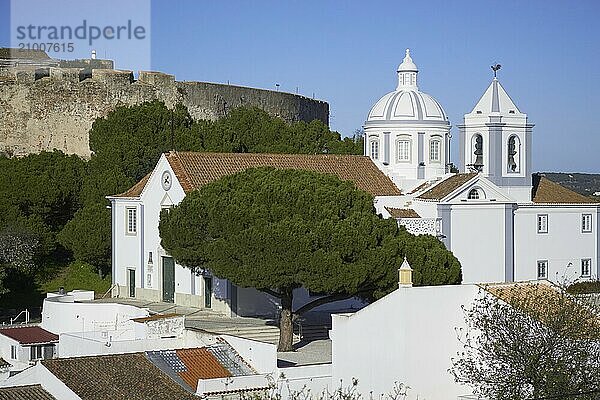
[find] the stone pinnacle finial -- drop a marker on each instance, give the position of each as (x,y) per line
(405,274)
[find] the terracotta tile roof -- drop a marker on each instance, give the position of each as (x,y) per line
(136,189)
(547,192)
(30,392)
(193,170)
(119,376)
(420,187)
(200,364)
(542,300)
(447,186)
(29,335)
(187,366)
(402,212)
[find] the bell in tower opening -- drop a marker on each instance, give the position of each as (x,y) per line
(512,152)
(478,164)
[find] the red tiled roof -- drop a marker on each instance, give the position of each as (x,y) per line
(200,364)
(30,335)
(29,392)
(118,376)
(402,212)
(136,189)
(545,191)
(194,170)
(447,186)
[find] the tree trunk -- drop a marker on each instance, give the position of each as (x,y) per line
(286,330)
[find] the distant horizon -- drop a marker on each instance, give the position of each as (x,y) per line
(346,53)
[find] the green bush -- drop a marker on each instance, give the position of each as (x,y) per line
(78,275)
(584,287)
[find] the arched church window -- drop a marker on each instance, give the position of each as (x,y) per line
(404,149)
(473,194)
(435,146)
(478,152)
(513,154)
(374,146)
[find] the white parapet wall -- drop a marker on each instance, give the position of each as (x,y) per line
(62,314)
(295,382)
(215,386)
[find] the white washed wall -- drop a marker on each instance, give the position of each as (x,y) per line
(408,337)
(563,244)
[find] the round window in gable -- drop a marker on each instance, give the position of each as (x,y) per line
(475,194)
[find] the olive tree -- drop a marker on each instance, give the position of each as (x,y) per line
(530,341)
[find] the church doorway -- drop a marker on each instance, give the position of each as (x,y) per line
(168,279)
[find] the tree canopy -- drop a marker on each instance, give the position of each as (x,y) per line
(39,194)
(277,230)
(530,341)
(128,142)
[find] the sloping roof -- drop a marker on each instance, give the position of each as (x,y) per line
(119,376)
(402,212)
(447,186)
(194,170)
(545,191)
(30,392)
(200,364)
(29,335)
(136,189)
(541,300)
(187,366)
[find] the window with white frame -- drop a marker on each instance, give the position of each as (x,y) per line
(434,150)
(374,145)
(13,352)
(403,150)
(542,223)
(473,194)
(131,222)
(586,223)
(542,269)
(586,267)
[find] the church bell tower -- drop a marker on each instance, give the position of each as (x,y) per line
(495,140)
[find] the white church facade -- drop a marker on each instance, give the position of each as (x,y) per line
(501,222)
(142,269)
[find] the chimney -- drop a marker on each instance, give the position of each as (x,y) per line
(93,54)
(405,275)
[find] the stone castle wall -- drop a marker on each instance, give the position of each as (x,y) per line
(54,108)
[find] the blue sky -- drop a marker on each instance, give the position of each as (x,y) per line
(346,52)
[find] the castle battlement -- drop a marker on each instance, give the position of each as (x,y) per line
(48,105)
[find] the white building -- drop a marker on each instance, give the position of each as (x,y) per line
(411,336)
(142,268)
(500,221)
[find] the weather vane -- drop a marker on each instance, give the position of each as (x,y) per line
(495,68)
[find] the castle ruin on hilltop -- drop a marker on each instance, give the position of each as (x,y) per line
(48,104)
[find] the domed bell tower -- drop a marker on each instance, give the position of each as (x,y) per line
(495,140)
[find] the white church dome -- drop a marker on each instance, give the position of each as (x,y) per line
(407,104)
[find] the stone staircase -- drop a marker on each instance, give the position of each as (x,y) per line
(264,333)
